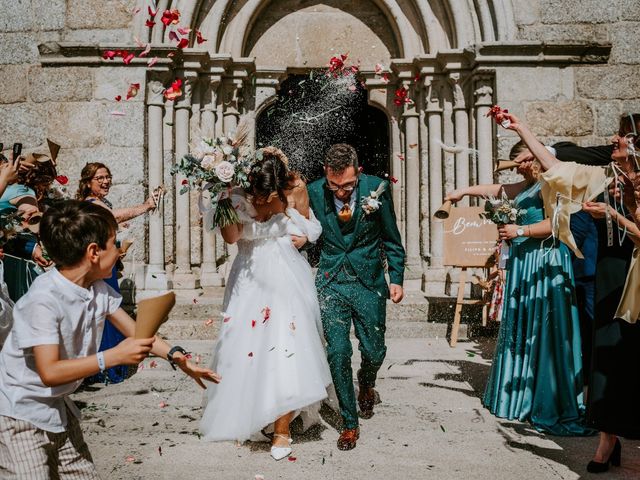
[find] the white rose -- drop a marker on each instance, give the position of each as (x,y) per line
(227,149)
(225,171)
(208,163)
(373,203)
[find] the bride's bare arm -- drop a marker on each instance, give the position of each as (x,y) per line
(231,233)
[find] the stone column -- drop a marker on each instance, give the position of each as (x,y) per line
(183,277)
(484,126)
(209,275)
(461,118)
(412,182)
(434,120)
(397,171)
(156,276)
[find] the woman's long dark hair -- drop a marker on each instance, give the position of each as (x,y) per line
(270,174)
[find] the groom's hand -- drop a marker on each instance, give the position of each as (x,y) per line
(298,241)
(396,292)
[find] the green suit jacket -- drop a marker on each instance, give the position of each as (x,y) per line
(372,230)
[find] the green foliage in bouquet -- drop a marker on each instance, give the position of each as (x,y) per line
(10,225)
(503,211)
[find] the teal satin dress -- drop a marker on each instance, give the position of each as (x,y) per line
(536,375)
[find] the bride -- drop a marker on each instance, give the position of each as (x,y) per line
(269,349)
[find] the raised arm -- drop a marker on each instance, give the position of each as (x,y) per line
(493,190)
(127,213)
(544,156)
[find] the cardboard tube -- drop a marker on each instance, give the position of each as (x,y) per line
(443,212)
(505,165)
(153,312)
(124,246)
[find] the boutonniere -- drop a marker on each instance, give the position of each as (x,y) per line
(371,203)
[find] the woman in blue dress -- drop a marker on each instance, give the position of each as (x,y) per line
(94,186)
(536,375)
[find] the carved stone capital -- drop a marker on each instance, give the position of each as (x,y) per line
(483,93)
(184,101)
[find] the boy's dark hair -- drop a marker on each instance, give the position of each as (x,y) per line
(340,157)
(67,229)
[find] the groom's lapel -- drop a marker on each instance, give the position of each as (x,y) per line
(331,214)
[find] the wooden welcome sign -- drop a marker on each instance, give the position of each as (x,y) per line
(469,239)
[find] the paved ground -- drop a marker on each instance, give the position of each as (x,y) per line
(430,424)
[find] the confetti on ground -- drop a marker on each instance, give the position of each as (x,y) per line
(153,364)
(163,404)
(259,477)
(130,458)
(116,113)
(208,322)
(195,300)
(292,459)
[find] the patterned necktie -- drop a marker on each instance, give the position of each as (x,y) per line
(345,213)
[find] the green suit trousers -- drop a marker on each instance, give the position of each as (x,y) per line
(342,302)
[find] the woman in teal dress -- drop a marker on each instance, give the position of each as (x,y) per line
(536,375)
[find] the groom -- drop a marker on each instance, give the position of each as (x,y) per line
(350,281)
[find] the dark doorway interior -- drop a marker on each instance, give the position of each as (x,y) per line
(312,113)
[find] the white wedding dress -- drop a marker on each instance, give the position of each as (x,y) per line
(269,351)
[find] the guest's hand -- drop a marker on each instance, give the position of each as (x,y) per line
(9,172)
(298,241)
(508,232)
(197,373)
(455,196)
(595,209)
(515,123)
(396,293)
(39,257)
(130,351)
(150,203)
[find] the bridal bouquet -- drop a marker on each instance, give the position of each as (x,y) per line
(216,165)
(502,211)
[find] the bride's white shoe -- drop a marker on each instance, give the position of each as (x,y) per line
(278,453)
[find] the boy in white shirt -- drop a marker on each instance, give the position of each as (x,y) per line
(53,343)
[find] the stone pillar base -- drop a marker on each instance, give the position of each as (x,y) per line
(156,279)
(184,280)
(434,281)
(211,278)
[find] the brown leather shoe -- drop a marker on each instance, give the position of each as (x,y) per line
(348,438)
(366,401)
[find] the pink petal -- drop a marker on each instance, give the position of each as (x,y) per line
(184,30)
(209,322)
(146,51)
(152,61)
(173,36)
(163,404)
(115,113)
(130,458)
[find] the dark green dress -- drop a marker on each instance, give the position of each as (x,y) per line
(536,375)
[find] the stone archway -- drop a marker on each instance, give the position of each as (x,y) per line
(357,123)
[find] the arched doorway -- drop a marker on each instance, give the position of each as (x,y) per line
(310,114)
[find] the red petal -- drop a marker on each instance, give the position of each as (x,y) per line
(184,30)
(250,354)
(253,323)
(174,36)
(183,43)
(127,59)
(199,38)
(108,54)
(118,98)
(394,179)
(149,23)
(152,13)
(292,459)
(62,179)
(185,182)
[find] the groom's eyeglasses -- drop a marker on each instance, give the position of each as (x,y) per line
(349,187)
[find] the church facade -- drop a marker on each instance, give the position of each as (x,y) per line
(563,66)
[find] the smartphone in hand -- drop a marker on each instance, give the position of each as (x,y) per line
(17,150)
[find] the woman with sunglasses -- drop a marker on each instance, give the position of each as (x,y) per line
(94,186)
(614,385)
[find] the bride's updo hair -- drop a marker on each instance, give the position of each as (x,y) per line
(270,175)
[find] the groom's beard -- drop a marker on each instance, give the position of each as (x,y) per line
(346,199)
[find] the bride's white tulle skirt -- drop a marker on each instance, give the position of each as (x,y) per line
(269,351)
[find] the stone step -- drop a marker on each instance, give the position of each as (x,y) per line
(427,319)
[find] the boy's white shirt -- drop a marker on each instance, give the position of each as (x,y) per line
(55,311)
